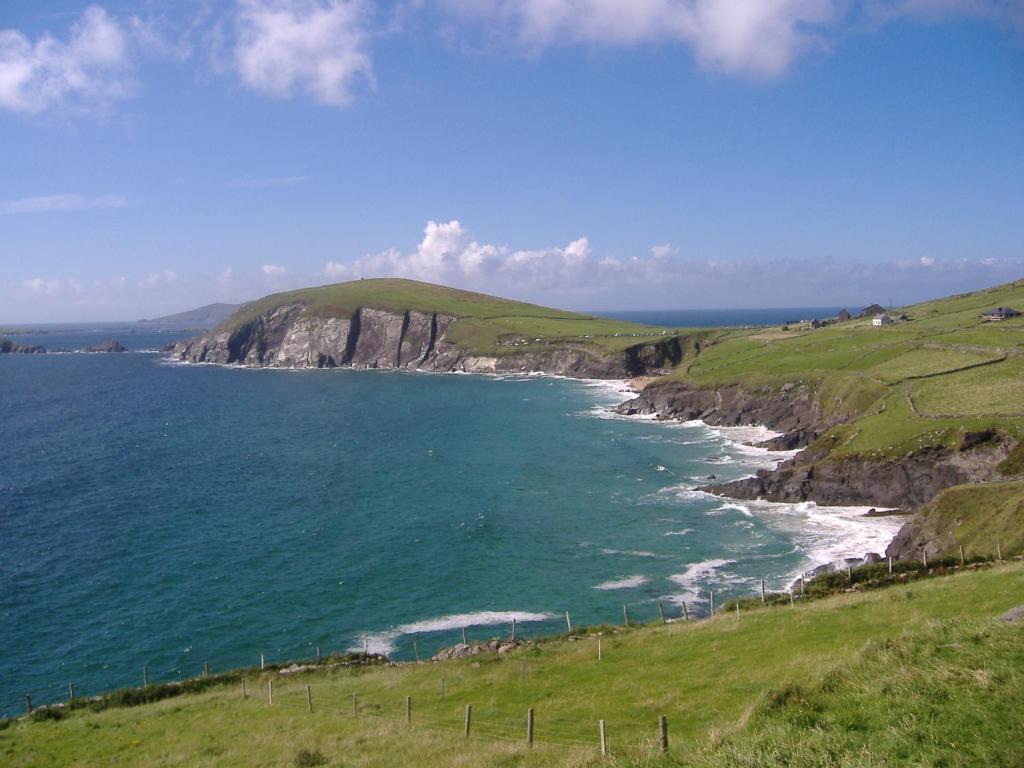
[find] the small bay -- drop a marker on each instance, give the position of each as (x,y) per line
(168,515)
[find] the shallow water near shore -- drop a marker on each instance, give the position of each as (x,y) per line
(170,515)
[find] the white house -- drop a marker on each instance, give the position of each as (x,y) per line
(879,320)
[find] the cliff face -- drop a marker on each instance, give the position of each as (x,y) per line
(814,475)
(291,337)
(792,409)
(903,484)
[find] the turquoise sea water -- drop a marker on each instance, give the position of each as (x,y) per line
(169,515)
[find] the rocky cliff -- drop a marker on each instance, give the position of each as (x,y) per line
(791,409)
(290,336)
(814,474)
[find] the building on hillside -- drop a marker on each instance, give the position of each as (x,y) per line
(880,320)
(873,310)
(816,323)
(1001,313)
(843,316)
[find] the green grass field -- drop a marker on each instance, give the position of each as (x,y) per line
(906,387)
(910,675)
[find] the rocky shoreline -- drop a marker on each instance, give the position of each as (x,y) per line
(902,484)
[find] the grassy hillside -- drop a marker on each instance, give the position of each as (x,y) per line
(909,675)
(482,320)
(911,385)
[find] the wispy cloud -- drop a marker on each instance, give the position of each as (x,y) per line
(61,202)
(88,71)
(273,270)
(272,181)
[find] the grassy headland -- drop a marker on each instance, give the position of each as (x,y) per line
(920,674)
(483,321)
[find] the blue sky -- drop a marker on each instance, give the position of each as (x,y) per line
(590,154)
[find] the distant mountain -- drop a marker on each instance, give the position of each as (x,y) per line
(209,316)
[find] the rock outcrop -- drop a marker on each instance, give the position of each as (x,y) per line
(903,483)
(12,347)
(791,409)
(111,345)
(813,474)
(292,337)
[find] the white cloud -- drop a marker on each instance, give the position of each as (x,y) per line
(317,46)
(43,287)
(163,277)
(927,261)
(448,254)
(272,270)
(753,37)
(662,251)
(61,202)
(88,71)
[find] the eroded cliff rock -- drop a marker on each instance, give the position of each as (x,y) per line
(291,337)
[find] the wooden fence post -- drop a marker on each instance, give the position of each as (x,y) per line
(243,688)
(999,553)
(849,573)
(263,662)
(71,691)
(145,677)
(464,641)
(469,717)
(924,557)
(513,629)
(416,649)
(408,709)
(661,612)
(686,614)
(737,611)
(309,699)
(598,647)
(712,593)
(28,703)
(568,623)
(206,669)
(663,733)
(764,599)
(604,737)
(529,727)
(625,616)
(270,691)
(890,563)
(962,562)
(318,654)
(792,599)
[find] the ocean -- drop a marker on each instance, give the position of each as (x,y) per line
(166,515)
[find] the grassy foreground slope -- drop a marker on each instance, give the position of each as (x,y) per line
(910,675)
(482,320)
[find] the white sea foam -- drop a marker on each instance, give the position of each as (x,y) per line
(682,532)
(695,576)
(630,552)
(628,582)
(384,642)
